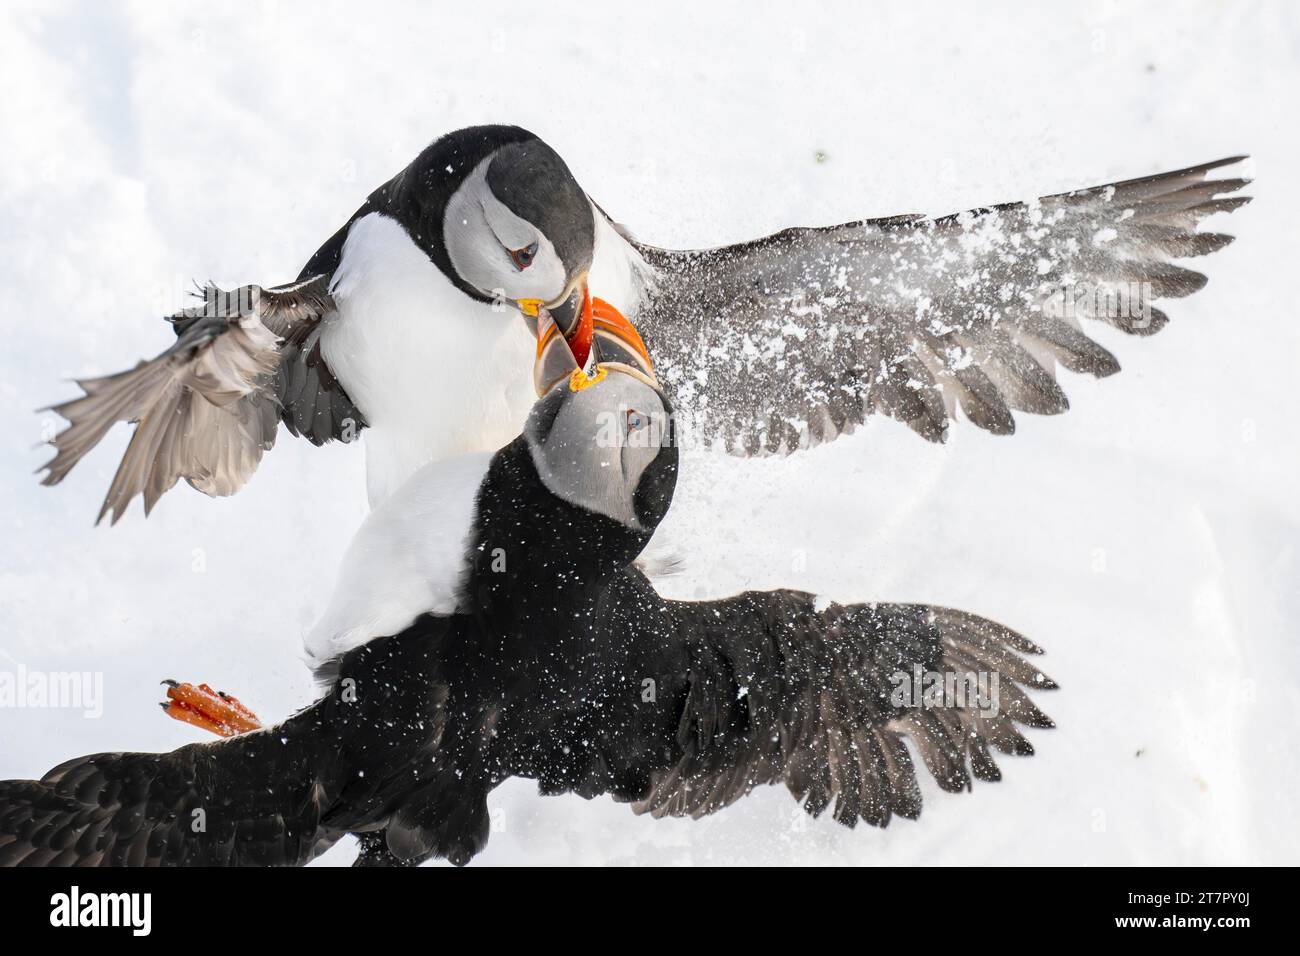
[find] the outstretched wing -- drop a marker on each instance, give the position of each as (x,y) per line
(273,797)
(249,800)
(209,406)
(824,702)
(790,340)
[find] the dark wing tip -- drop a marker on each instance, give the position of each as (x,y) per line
(1217,163)
(1106,369)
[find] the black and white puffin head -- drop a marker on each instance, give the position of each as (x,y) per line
(604,441)
(520,228)
(501,215)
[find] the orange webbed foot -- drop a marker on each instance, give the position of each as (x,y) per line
(213,710)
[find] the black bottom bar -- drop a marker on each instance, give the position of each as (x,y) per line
(232,908)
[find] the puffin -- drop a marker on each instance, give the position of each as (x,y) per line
(414,322)
(490,622)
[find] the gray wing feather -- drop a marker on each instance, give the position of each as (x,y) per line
(790,340)
(261,802)
(782,693)
(314,404)
(208,407)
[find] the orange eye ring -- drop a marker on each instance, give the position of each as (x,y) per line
(523,258)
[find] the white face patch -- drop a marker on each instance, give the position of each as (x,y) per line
(480,232)
(593,450)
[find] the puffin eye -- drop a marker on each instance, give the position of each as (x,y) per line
(635,420)
(523,258)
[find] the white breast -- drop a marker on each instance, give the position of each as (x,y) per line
(407,559)
(434,372)
(618,273)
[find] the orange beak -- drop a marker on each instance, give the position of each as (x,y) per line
(599,328)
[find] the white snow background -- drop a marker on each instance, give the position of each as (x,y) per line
(1147,539)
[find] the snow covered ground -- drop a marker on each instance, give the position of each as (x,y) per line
(1148,539)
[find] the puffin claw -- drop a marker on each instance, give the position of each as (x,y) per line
(213,710)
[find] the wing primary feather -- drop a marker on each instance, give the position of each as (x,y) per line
(828,326)
(205,408)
